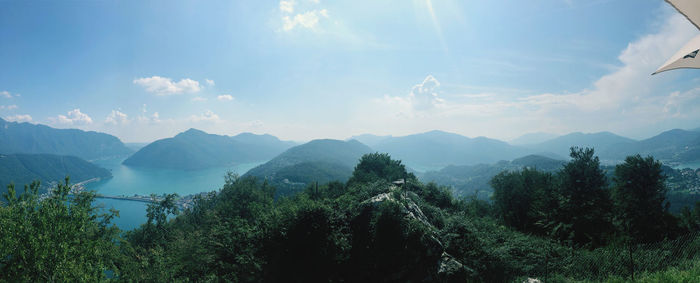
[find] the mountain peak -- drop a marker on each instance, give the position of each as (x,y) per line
(192,132)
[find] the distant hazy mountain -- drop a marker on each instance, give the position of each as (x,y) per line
(532,138)
(135,146)
(369,139)
(471,179)
(22,169)
(602,142)
(437,149)
(195,149)
(30,138)
(673,145)
(318,160)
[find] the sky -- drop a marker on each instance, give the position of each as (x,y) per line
(307,69)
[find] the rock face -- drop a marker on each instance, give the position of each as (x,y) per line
(451,270)
(447,268)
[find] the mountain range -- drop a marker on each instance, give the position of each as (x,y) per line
(437,149)
(195,149)
(602,142)
(35,138)
(327,160)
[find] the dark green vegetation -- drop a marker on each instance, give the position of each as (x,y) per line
(572,224)
(58,239)
(47,168)
(30,138)
(316,161)
(194,149)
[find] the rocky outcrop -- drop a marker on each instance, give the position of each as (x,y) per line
(448,268)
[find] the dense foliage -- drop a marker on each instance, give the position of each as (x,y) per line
(368,229)
(62,238)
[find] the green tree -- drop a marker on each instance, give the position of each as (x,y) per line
(639,195)
(524,199)
(690,219)
(585,204)
(62,237)
(379,166)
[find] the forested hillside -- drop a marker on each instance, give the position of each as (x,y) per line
(35,138)
(22,169)
(568,225)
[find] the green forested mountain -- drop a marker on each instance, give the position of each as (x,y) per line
(437,149)
(195,149)
(22,169)
(601,141)
(35,138)
(316,161)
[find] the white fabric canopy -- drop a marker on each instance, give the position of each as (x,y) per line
(688,56)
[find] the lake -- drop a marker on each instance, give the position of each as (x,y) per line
(145,181)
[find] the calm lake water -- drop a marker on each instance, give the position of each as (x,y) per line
(145,181)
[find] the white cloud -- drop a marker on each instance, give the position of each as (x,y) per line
(682,104)
(421,100)
(198,99)
(117,118)
(5,94)
(74,117)
(209,82)
(155,117)
(627,100)
(307,19)
(225,97)
(287,6)
(19,118)
(166,86)
(207,116)
(8,107)
(424,96)
(632,81)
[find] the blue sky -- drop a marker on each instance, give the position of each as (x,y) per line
(304,69)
